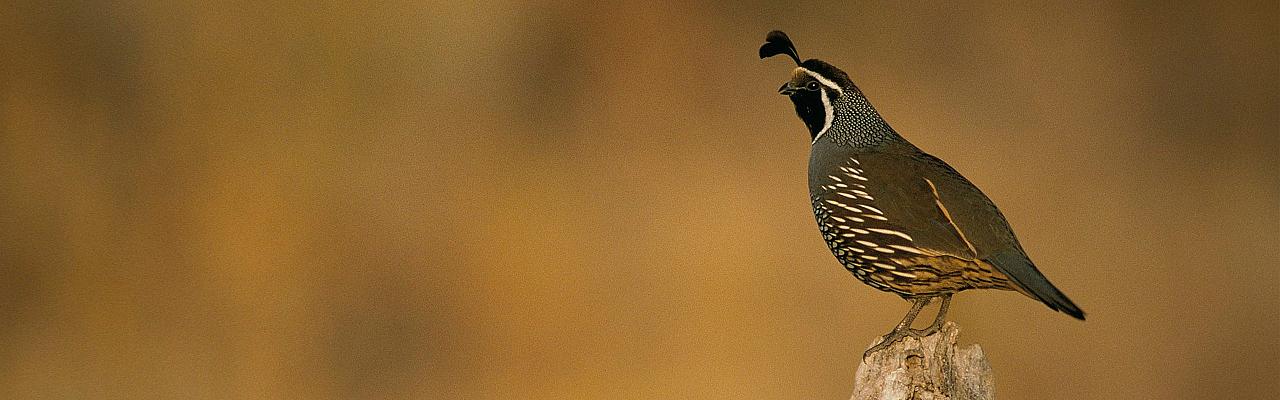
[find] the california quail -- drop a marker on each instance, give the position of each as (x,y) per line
(899,219)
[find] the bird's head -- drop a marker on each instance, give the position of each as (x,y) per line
(814,87)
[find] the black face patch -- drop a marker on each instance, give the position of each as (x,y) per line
(810,109)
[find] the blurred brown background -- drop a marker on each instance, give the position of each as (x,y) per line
(568,200)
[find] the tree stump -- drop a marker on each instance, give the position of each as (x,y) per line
(928,368)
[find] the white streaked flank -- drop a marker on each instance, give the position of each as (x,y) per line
(907,275)
(884,266)
(908,249)
(891,232)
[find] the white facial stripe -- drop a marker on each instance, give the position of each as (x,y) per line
(824,81)
(829,116)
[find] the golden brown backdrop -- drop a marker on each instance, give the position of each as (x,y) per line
(560,200)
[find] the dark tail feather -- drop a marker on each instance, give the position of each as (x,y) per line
(1034,284)
(1054,298)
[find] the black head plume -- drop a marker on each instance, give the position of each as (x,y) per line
(776,43)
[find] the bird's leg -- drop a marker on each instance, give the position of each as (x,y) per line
(903,329)
(937,321)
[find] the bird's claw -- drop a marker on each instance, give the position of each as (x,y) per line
(891,338)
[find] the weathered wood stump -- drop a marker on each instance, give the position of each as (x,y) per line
(929,368)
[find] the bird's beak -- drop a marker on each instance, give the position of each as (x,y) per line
(786,89)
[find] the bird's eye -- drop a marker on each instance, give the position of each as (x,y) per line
(813,85)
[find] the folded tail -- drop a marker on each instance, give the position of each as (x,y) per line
(1033,284)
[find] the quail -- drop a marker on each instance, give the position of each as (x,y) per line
(897,218)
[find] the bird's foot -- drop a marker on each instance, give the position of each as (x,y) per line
(938,321)
(893,337)
(931,329)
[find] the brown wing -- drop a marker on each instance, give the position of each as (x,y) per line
(881,217)
(950,214)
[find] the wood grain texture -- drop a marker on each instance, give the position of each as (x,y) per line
(928,368)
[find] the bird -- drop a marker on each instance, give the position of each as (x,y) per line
(897,218)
